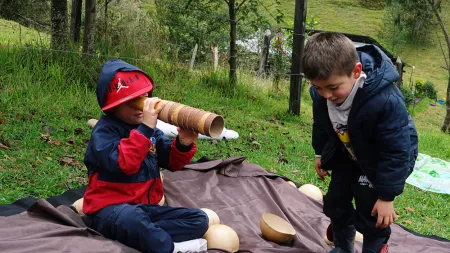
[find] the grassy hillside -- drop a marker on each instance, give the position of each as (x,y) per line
(13,33)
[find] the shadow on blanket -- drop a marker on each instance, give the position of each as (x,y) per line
(240,196)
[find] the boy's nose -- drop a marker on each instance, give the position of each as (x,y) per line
(327,94)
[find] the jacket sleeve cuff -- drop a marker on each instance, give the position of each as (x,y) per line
(386,198)
(183,148)
(145,130)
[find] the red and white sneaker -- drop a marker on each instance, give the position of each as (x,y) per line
(385,249)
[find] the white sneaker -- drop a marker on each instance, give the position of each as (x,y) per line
(196,245)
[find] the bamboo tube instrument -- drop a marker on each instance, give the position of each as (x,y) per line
(206,123)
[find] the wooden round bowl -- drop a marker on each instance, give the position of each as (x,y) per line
(276,229)
(311,191)
(221,236)
(212,216)
(78,206)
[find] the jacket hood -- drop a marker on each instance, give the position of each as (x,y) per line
(379,69)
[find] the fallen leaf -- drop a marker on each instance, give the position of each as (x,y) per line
(410,209)
(69,161)
(26,118)
(256,143)
(407,221)
(22,182)
(78,131)
(282,146)
(295,171)
(8,157)
(71,141)
(57,143)
(39,160)
(2,121)
(78,179)
(48,129)
(282,160)
(48,158)
(45,137)
(3,146)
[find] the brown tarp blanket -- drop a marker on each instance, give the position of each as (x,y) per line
(239,197)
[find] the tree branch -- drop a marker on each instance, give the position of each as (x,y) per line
(441,23)
(270,13)
(240,5)
(443,51)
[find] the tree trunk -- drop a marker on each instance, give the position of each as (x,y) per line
(233,49)
(89,26)
(194,54)
(446,125)
(399,67)
(215,51)
(59,23)
(264,54)
(297,52)
(106,17)
(75,20)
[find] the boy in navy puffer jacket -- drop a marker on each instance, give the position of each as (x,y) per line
(363,133)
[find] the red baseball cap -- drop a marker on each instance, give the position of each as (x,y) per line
(126,86)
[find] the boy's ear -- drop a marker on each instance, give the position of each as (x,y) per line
(357,70)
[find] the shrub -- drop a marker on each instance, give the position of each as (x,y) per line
(408,95)
(372,5)
(419,88)
(429,90)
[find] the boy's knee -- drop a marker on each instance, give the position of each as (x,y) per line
(132,216)
(336,210)
(203,222)
(135,229)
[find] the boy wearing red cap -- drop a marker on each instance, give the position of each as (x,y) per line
(123,159)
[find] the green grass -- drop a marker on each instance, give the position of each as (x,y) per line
(46,100)
(13,33)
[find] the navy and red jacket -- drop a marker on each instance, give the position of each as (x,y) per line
(124,160)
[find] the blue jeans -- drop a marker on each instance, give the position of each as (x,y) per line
(150,228)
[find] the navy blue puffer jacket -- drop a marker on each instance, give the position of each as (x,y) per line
(381,131)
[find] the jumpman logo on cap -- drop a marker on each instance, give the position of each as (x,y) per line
(120,86)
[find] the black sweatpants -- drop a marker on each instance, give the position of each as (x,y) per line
(347,184)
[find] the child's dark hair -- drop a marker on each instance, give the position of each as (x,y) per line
(328,53)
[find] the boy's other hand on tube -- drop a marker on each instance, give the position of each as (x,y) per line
(187,136)
(150,113)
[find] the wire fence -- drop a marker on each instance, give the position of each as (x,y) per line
(254,56)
